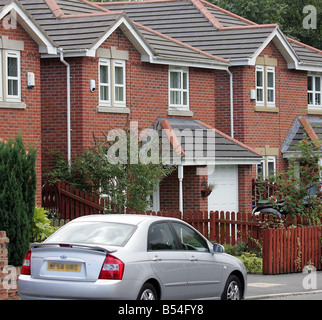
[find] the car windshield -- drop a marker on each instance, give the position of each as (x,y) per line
(107,233)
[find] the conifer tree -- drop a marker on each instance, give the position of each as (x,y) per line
(17,195)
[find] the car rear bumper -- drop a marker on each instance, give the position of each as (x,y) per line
(44,289)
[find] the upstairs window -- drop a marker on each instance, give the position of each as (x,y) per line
(10,76)
(13,75)
(104,85)
(314,91)
(265,86)
(119,83)
(112,83)
(1,86)
(179,88)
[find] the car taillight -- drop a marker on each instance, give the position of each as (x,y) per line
(26,263)
(112,268)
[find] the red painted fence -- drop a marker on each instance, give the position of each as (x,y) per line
(288,250)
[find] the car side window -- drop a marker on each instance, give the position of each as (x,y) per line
(189,238)
(160,237)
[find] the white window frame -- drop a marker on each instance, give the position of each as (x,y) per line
(1,86)
(314,92)
(180,90)
(265,71)
(119,103)
(261,88)
(104,62)
(13,54)
(264,164)
(272,71)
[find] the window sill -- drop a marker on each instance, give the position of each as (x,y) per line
(314,111)
(113,109)
(12,105)
(266,109)
(182,113)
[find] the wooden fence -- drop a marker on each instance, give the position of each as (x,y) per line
(290,249)
(71,203)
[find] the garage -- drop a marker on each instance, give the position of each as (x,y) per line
(225,193)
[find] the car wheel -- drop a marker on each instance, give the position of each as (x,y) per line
(147,292)
(232,289)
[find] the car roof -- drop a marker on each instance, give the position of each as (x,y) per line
(122,218)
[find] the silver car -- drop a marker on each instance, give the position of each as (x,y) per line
(130,257)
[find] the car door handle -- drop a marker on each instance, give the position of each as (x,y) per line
(193,258)
(156,258)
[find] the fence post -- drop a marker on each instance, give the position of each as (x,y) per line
(212,235)
(267,251)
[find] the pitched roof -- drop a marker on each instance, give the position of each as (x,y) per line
(204,32)
(25,18)
(198,143)
(78,25)
(210,28)
(303,128)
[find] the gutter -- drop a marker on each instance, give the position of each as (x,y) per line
(68,105)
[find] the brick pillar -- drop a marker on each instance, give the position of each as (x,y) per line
(245,175)
(3,263)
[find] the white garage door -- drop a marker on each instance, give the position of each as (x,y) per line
(225,194)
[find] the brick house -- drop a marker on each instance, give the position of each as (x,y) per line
(176,65)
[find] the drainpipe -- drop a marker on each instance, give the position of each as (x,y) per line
(180,176)
(231,82)
(68,106)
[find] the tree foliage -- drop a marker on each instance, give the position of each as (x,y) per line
(17,195)
(299,187)
(125,184)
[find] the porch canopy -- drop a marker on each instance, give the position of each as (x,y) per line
(198,143)
(303,128)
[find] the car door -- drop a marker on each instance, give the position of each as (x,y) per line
(205,271)
(167,261)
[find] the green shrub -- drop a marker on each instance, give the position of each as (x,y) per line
(41,227)
(252,263)
(237,249)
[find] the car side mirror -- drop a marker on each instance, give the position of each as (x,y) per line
(218,248)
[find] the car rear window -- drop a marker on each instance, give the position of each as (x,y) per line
(107,233)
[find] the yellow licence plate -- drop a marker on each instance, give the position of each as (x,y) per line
(67,267)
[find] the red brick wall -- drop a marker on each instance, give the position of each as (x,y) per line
(258,129)
(146,97)
(192,184)
(27,121)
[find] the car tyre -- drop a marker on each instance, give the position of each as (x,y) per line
(233,289)
(147,292)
